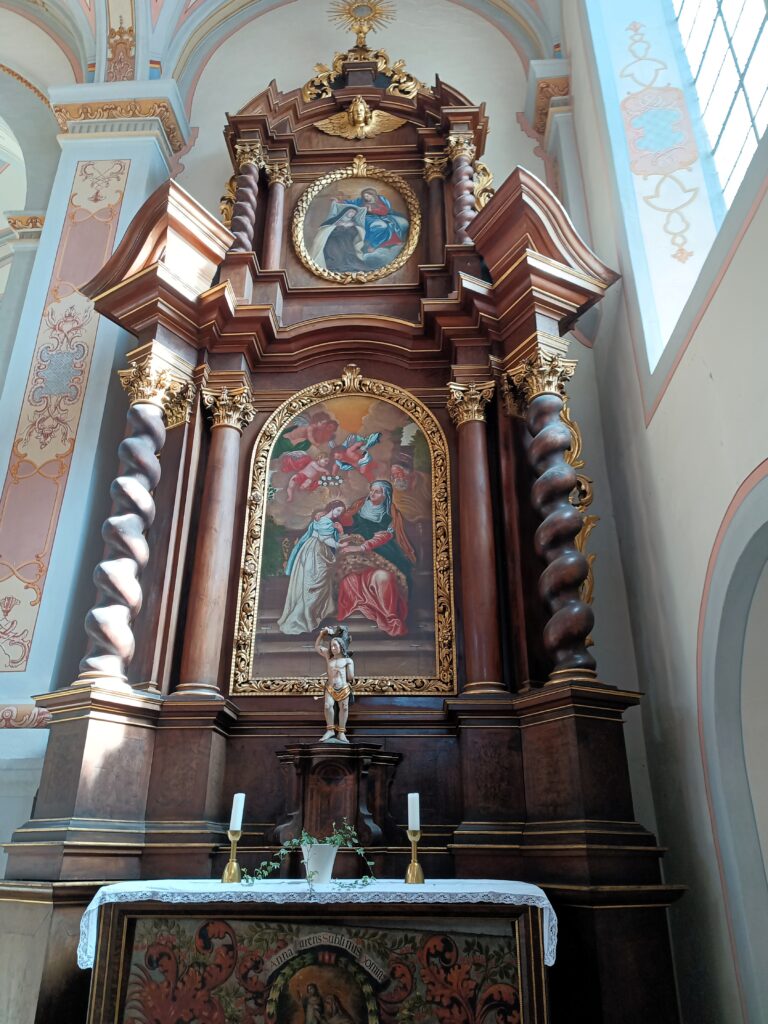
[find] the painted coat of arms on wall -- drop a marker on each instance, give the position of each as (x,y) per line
(350,523)
(357,224)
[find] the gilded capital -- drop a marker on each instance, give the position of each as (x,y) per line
(435,167)
(279,174)
(149,382)
(467,402)
(229,408)
(460,145)
(540,374)
(249,153)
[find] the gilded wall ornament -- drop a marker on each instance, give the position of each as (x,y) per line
(110,110)
(358,121)
(229,408)
(357,224)
(297,492)
(466,402)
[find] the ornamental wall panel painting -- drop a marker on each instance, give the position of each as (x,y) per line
(348,522)
(261,972)
(357,224)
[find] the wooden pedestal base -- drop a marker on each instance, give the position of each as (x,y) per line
(327,782)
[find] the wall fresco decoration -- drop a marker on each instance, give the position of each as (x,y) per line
(254,972)
(349,522)
(53,398)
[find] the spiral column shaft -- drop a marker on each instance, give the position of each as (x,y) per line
(539,387)
(461,152)
(242,226)
(111,642)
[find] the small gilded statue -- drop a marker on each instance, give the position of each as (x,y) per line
(333,644)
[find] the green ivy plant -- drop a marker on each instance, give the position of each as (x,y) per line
(341,835)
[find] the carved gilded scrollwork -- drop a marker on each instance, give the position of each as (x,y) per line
(482,185)
(581,498)
(227,201)
(467,402)
(351,382)
(359,168)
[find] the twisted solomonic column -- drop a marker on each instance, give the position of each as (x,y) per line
(461,152)
(480,613)
(250,160)
(538,386)
(155,394)
(231,410)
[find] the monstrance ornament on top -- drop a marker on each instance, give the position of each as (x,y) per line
(357,224)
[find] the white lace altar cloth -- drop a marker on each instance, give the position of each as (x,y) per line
(456,891)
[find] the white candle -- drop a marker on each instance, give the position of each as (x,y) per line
(236,819)
(414,822)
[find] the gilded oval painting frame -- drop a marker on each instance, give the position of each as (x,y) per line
(337,236)
(423,648)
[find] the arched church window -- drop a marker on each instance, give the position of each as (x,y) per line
(726,46)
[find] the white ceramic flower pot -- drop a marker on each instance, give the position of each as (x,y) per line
(318,861)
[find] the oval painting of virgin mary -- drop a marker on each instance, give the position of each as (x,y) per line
(357,229)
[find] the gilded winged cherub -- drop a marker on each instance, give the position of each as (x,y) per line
(358,121)
(333,645)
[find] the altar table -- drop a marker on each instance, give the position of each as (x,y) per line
(456,949)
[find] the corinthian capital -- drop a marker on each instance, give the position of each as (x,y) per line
(148,381)
(460,145)
(229,408)
(540,374)
(249,153)
(434,167)
(467,402)
(279,174)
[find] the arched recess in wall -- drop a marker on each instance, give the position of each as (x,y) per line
(739,560)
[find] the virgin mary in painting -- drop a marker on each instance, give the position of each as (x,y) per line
(376,559)
(359,234)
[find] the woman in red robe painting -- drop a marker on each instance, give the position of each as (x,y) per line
(376,562)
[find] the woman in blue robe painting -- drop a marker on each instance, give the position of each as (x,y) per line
(310,567)
(359,234)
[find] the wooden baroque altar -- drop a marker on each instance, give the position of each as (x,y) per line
(514,742)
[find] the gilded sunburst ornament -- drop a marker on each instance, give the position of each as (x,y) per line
(362,18)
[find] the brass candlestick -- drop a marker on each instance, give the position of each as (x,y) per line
(232,872)
(414,875)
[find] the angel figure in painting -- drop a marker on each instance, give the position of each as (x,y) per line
(333,645)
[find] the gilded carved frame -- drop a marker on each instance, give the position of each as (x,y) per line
(359,168)
(444,680)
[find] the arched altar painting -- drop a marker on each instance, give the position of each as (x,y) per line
(352,523)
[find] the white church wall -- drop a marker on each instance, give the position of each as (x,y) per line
(674,469)
(244,63)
